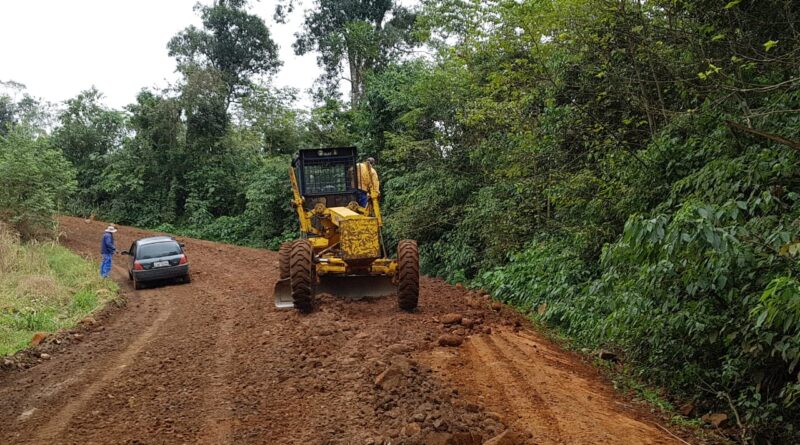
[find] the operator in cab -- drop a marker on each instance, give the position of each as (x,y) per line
(367,181)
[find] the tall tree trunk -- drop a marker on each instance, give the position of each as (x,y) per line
(356,80)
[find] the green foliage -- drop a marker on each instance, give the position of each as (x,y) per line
(567,156)
(176,156)
(548,271)
(87,133)
(18,108)
(579,157)
(266,221)
(363,35)
(268,117)
(700,295)
(267,214)
(233,42)
(198,156)
(44,287)
(35,179)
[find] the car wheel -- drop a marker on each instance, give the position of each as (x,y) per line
(187,278)
(137,285)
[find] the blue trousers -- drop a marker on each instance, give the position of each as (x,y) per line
(105,266)
(363,198)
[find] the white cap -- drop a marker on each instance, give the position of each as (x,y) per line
(111,229)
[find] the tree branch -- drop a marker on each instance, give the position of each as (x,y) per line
(772,137)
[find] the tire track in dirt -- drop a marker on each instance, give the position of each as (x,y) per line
(218,401)
(51,431)
(141,399)
(598,407)
(213,362)
(540,351)
(303,375)
(523,397)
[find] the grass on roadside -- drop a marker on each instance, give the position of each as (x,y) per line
(44,287)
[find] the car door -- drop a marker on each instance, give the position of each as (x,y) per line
(132,256)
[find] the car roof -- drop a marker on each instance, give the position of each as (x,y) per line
(154,239)
(328,148)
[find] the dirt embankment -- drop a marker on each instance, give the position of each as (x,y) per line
(213,362)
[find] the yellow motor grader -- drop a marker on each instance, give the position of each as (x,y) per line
(341,249)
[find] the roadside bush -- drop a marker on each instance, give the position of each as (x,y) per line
(701,295)
(549,272)
(267,220)
(268,214)
(34,180)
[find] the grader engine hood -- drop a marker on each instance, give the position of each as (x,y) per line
(358,234)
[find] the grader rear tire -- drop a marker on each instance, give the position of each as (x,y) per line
(283,260)
(301,274)
(408,275)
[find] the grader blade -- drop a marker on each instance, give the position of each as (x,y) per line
(283,294)
(356,286)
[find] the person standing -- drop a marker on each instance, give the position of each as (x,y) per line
(107,250)
(367,181)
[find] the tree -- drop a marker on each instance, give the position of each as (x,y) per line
(34,180)
(144,180)
(270,114)
(267,215)
(88,132)
(233,42)
(219,63)
(17,107)
(363,34)
(330,125)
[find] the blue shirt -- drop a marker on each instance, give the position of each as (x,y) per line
(107,246)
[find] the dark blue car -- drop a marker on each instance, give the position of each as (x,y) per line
(157,258)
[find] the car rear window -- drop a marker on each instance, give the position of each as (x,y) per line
(158,250)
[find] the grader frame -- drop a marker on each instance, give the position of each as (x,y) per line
(340,250)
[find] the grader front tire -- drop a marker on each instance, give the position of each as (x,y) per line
(301,273)
(283,260)
(408,275)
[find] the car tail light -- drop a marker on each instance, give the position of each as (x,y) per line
(184,260)
(137,266)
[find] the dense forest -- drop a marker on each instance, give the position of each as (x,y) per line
(626,170)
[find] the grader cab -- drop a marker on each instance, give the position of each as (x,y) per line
(340,250)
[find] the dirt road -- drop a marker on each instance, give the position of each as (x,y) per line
(213,362)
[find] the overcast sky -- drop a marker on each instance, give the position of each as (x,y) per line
(59,47)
